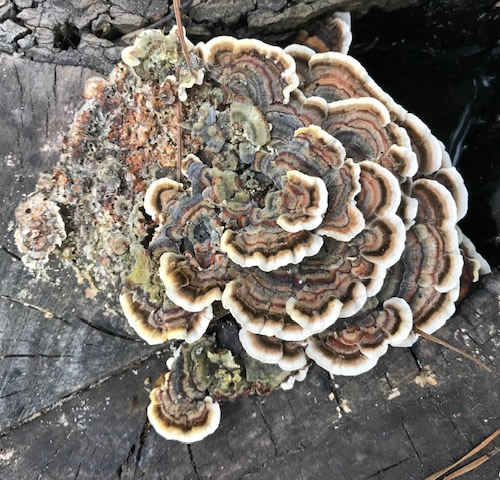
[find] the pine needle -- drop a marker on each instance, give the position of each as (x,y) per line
(472,465)
(179,139)
(437,340)
(180,33)
(483,444)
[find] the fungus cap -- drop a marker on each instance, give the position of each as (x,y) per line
(183,421)
(285,183)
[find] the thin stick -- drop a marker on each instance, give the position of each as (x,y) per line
(437,340)
(483,444)
(472,465)
(157,24)
(179,139)
(180,32)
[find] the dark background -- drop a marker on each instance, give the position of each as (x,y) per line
(441,60)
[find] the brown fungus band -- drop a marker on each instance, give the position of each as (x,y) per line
(318,211)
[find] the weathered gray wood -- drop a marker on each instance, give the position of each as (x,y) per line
(72,373)
(85,33)
(52,340)
(366,432)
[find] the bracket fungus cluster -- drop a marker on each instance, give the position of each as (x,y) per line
(284,184)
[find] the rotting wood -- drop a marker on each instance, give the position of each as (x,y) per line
(92,418)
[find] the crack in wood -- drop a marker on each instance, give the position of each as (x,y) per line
(12,254)
(269,429)
(385,469)
(13,393)
(142,440)
(54,85)
(51,315)
(85,388)
(33,355)
(450,420)
(409,437)
(387,379)
(415,358)
(21,93)
(58,449)
(107,331)
(335,390)
(77,474)
(301,447)
(135,452)
(291,405)
(193,463)
(46,313)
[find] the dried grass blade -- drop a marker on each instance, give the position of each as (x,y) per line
(437,340)
(180,145)
(483,444)
(180,33)
(472,465)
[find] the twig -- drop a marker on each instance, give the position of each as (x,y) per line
(437,340)
(180,33)
(179,139)
(472,465)
(157,24)
(483,444)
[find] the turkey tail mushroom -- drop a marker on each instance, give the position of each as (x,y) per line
(292,189)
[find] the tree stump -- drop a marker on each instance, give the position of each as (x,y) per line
(74,377)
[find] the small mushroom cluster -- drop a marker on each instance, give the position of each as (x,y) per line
(286,184)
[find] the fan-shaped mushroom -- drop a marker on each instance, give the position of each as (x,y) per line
(284,183)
